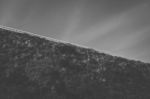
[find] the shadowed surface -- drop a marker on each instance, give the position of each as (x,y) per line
(32,67)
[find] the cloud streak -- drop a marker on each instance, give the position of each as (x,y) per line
(74,20)
(120,27)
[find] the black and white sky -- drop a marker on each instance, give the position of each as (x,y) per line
(117,27)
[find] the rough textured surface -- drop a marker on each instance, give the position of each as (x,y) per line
(35,68)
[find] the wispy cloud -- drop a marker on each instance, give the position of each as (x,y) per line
(96,31)
(120,27)
(122,31)
(74,20)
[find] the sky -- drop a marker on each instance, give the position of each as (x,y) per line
(116,27)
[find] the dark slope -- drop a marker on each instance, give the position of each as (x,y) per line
(35,68)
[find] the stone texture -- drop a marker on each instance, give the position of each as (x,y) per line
(32,67)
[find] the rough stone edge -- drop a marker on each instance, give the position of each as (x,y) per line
(65,42)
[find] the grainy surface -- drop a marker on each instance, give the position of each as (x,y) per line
(35,68)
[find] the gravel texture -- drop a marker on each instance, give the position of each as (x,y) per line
(33,67)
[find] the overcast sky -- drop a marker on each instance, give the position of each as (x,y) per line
(117,27)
